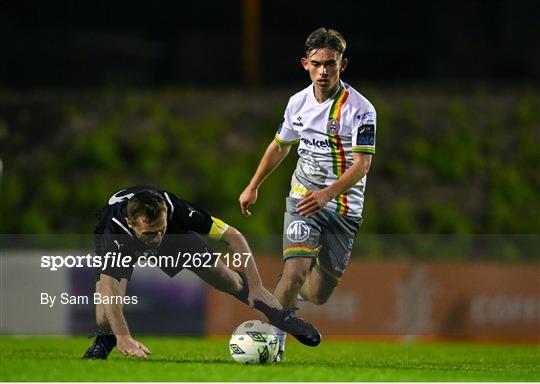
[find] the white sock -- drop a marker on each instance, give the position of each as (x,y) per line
(281,338)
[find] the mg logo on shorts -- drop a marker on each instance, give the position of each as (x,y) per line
(298,231)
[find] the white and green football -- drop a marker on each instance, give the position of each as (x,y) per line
(253,342)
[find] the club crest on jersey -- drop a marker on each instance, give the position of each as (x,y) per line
(332,126)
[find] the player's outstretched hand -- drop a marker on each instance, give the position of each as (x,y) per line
(128,346)
(247,199)
(262,294)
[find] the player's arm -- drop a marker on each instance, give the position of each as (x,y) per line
(202,222)
(239,245)
(315,200)
(274,155)
(110,287)
(126,344)
(112,282)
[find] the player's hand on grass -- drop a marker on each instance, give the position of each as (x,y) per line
(312,202)
(247,199)
(262,294)
(128,346)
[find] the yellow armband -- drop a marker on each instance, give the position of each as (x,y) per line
(218,228)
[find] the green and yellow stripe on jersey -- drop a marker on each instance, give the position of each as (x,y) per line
(339,162)
(283,142)
(370,149)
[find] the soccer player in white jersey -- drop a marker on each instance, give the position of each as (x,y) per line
(334,126)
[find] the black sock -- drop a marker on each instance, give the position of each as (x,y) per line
(269,312)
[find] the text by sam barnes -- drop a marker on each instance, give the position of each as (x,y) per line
(67,299)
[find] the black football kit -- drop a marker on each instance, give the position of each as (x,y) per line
(185,224)
(113,237)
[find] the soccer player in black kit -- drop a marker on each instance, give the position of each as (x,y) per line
(142,221)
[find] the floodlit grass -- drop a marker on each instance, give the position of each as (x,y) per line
(199,359)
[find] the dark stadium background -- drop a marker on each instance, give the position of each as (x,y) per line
(65,44)
(103,94)
(96,96)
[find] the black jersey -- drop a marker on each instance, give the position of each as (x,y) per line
(113,236)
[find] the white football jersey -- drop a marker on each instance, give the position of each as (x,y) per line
(328,133)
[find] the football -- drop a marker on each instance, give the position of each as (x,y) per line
(253,342)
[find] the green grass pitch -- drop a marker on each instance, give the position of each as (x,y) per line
(200,359)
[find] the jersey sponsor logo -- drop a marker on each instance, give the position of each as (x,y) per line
(298,231)
(299,122)
(333,126)
(366,135)
(321,144)
(364,116)
(117,198)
